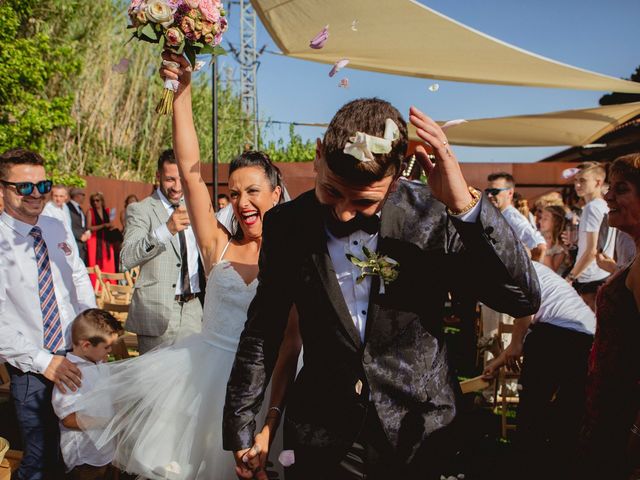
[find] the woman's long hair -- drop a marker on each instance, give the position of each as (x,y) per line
(559,222)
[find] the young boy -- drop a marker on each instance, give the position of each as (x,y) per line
(585,275)
(92,333)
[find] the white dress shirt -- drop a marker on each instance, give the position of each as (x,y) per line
(527,233)
(76,446)
(59,213)
(21,323)
(163,235)
(356,296)
(560,303)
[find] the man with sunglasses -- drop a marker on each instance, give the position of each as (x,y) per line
(500,192)
(46,287)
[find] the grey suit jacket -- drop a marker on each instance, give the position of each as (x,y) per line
(154,291)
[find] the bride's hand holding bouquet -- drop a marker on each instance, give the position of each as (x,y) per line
(184,27)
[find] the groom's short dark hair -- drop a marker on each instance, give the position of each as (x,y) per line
(367,115)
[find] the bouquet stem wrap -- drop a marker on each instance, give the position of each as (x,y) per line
(165,106)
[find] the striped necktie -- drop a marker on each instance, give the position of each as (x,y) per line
(52,327)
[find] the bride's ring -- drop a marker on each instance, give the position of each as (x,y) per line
(446,142)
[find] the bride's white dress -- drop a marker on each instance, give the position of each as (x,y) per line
(164,409)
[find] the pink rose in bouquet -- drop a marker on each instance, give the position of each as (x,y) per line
(185,27)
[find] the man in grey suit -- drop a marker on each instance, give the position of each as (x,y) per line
(158,238)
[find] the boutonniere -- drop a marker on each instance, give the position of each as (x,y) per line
(375,265)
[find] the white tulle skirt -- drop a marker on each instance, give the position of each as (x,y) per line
(164,411)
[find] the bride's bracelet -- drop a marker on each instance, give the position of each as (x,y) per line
(275,409)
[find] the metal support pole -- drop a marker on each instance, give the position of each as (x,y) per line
(214,129)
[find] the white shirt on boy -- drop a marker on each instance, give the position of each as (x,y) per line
(76,446)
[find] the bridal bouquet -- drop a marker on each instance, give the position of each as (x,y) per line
(185,27)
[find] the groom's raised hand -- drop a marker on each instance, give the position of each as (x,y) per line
(444,175)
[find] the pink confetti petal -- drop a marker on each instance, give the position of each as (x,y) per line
(453,123)
(569,172)
(339,65)
(121,67)
(320,39)
(344,83)
(287,458)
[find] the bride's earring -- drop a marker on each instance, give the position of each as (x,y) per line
(275,203)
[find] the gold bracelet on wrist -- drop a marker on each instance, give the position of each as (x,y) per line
(476,198)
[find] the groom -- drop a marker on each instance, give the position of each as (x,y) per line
(376,397)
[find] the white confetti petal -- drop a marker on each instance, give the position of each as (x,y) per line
(434,87)
(569,172)
(287,458)
(453,123)
(354,25)
(199,64)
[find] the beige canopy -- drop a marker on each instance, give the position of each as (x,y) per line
(569,127)
(404,37)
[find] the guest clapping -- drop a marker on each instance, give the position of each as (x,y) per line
(99,246)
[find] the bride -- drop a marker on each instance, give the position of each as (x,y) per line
(163,410)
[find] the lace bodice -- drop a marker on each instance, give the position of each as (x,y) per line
(226,304)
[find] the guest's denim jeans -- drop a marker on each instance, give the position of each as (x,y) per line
(31,394)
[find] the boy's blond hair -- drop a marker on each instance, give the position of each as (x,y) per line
(94,325)
(595,168)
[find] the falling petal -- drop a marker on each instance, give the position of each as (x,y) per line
(199,64)
(122,66)
(287,458)
(344,83)
(339,65)
(569,172)
(354,25)
(434,87)
(453,123)
(320,39)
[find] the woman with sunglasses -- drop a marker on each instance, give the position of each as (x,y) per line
(99,247)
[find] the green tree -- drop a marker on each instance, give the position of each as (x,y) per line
(616,98)
(294,151)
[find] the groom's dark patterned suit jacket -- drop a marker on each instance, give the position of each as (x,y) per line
(402,364)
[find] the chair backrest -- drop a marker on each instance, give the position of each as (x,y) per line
(120,294)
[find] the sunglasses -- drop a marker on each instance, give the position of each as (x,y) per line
(495,191)
(26,188)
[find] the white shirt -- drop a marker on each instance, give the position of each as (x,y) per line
(356,296)
(590,221)
(560,304)
(21,324)
(163,235)
(79,209)
(527,233)
(76,446)
(59,213)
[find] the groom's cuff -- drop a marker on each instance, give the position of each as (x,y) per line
(472,215)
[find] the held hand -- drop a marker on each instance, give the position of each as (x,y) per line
(63,373)
(85,236)
(250,463)
(178,221)
(445,176)
(182,73)
(491,369)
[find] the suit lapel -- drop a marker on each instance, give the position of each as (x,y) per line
(162,214)
(322,260)
(391,225)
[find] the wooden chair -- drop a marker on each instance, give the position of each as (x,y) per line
(97,286)
(127,344)
(5,381)
(502,397)
(132,275)
(117,294)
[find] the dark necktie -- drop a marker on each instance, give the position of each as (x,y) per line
(52,326)
(184,262)
(340,229)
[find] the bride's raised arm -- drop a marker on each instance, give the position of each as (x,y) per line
(207,230)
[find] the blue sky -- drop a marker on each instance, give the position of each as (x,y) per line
(596,35)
